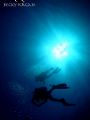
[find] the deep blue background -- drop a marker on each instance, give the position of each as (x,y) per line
(22,33)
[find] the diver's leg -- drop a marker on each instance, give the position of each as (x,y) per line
(62,100)
(52,72)
(65,103)
(56,70)
(49,70)
(59,86)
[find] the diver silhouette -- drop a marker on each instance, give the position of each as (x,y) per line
(42,95)
(46,74)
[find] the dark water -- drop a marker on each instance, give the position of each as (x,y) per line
(28,36)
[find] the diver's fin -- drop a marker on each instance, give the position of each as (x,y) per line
(65,103)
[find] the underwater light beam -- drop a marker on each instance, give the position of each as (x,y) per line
(60,50)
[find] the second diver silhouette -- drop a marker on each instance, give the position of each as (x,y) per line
(47,74)
(42,95)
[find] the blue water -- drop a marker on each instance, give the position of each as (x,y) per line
(28,36)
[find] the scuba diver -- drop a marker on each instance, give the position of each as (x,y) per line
(47,74)
(42,95)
